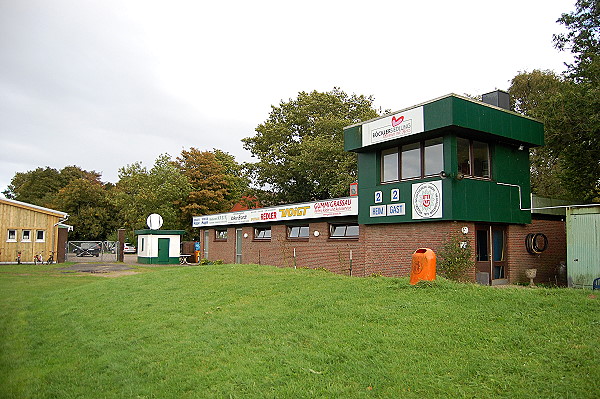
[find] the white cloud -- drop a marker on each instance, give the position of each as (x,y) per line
(105,84)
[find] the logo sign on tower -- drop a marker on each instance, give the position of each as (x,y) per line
(427,200)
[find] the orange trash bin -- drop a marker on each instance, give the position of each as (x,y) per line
(423,266)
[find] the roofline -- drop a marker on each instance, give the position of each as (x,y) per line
(33,207)
(441,98)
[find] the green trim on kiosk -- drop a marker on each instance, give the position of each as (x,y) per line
(153,260)
(159,232)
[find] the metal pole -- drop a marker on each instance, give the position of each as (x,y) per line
(350,263)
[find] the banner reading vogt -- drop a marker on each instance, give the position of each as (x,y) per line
(309,210)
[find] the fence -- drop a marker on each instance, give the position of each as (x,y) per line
(92,251)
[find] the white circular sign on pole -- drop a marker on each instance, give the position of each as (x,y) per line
(154,221)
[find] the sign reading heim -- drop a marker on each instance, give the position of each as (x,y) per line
(308,210)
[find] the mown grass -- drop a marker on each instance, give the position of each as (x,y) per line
(258,331)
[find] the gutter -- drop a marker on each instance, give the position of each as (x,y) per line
(543,207)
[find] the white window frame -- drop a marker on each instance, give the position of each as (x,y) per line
(346,227)
(14,233)
(298,229)
(262,237)
(43,239)
(220,234)
(28,239)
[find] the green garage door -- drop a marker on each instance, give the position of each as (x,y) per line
(583,244)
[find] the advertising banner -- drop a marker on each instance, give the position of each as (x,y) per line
(309,210)
(401,124)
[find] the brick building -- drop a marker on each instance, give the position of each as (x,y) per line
(450,166)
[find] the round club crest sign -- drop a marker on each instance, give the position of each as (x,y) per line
(427,200)
(154,221)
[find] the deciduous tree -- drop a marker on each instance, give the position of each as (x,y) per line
(569,106)
(39,185)
(215,179)
(90,210)
(300,147)
(141,192)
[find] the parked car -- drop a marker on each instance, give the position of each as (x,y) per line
(129,249)
(87,249)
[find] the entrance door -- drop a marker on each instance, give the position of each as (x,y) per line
(491,255)
(206,240)
(238,245)
(163,250)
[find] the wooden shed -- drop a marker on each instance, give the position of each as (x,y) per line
(29,229)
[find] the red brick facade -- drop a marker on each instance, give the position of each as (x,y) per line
(546,262)
(387,249)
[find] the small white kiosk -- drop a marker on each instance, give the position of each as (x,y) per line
(158,247)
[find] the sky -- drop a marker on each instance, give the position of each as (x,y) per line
(103,84)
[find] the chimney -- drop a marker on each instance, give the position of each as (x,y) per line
(498,98)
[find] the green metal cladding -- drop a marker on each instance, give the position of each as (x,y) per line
(496,200)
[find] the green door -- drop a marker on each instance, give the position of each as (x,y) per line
(163,250)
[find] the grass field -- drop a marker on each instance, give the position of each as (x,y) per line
(262,332)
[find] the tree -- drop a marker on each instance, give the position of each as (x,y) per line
(300,147)
(38,186)
(569,106)
(216,182)
(529,94)
(90,210)
(582,39)
(568,166)
(141,192)
(239,182)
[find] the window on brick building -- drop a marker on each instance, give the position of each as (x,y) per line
(262,233)
(221,235)
(298,231)
(349,230)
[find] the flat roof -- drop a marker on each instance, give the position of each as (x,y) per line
(460,113)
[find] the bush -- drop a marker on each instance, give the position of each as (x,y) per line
(455,260)
(205,261)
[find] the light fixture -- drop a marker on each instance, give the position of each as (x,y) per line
(316,233)
(245,235)
(521,148)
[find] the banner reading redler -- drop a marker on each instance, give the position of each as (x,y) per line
(310,210)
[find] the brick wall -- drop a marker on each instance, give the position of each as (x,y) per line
(314,252)
(219,249)
(546,262)
(388,249)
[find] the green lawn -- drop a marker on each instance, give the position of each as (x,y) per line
(257,331)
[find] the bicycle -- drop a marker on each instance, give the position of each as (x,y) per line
(38,258)
(50,259)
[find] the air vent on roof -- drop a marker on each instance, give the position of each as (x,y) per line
(498,98)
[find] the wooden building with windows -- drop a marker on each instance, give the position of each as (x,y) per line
(451,166)
(30,230)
